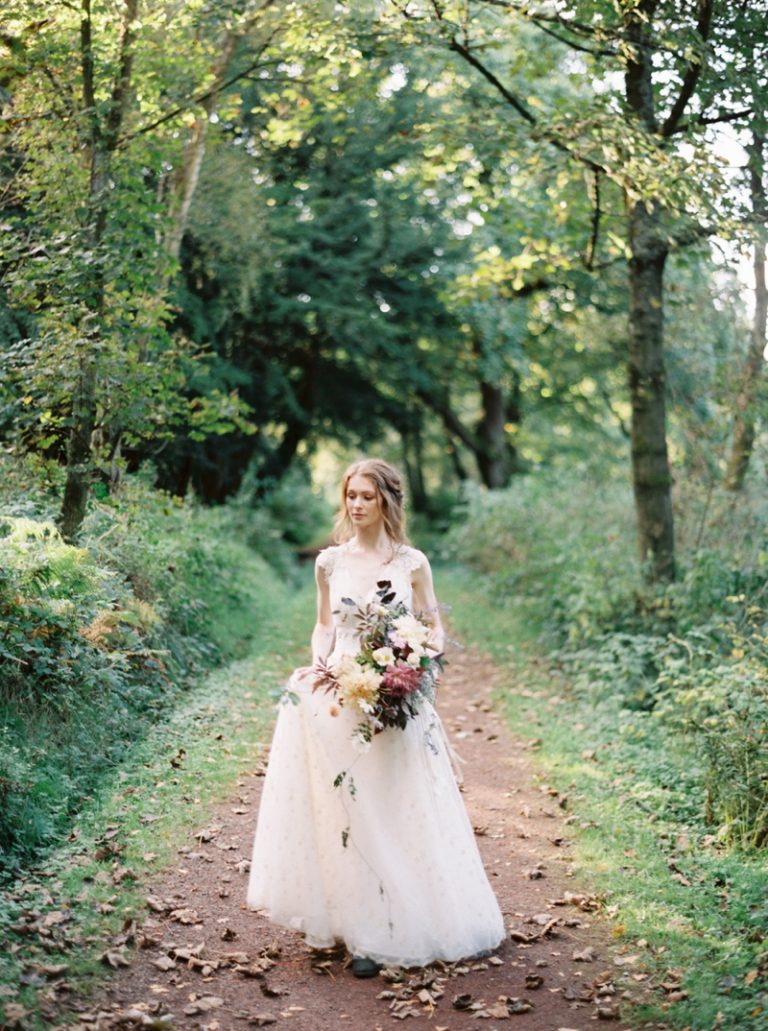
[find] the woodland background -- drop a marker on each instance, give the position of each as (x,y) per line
(516,247)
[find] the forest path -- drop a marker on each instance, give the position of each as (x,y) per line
(207,963)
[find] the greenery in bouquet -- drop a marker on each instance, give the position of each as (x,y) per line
(395,669)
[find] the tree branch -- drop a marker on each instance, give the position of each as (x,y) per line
(119,98)
(589,259)
(201,97)
(594,51)
(693,72)
(464,52)
(722,117)
(510,98)
(86,63)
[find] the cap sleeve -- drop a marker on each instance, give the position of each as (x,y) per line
(326,560)
(411,558)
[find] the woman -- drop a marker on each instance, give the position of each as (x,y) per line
(386,860)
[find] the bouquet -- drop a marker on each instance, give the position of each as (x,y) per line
(395,669)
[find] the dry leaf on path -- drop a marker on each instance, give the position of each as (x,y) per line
(114,958)
(164,963)
(204,1004)
(587,955)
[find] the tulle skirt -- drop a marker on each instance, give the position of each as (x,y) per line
(386,860)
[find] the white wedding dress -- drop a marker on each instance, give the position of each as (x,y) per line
(387,861)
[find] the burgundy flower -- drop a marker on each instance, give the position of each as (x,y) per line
(400,680)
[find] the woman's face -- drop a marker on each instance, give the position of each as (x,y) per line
(363,507)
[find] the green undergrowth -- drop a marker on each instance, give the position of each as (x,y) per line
(693,908)
(99,641)
(74,907)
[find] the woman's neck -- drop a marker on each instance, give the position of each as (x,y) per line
(372,539)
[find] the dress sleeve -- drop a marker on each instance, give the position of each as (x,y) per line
(412,559)
(326,560)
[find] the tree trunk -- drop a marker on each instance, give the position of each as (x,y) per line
(413,461)
(494,457)
(651,476)
(488,444)
(453,453)
(744,423)
(185,177)
(103,137)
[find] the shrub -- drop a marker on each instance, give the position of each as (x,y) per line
(98,641)
(694,653)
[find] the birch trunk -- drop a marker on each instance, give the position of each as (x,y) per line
(744,422)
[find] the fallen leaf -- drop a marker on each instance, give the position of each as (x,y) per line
(498,1011)
(55,918)
(234,959)
(114,958)
(50,969)
(272,993)
(586,955)
(185,916)
(463,1002)
(14,1014)
(204,1004)
(164,963)
(207,834)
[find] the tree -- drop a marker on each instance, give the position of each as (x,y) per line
(675,84)
(744,423)
(98,106)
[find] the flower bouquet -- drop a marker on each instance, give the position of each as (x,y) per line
(394,671)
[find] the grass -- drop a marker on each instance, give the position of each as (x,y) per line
(690,907)
(166,790)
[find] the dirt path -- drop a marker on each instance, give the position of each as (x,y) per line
(207,963)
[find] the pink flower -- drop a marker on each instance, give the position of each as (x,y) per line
(400,680)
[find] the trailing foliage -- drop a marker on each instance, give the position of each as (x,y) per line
(97,642)
(687,663)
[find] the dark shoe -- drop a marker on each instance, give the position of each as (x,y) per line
(362,967)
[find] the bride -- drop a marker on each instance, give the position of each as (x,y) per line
(386,860)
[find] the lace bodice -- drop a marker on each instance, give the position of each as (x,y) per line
(348,579)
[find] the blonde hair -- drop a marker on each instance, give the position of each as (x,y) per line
(389,487)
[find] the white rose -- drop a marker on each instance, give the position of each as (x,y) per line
(414,659)
(411,629)
(383,656)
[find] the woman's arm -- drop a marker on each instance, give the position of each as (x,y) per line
(425,603)
(323,634)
